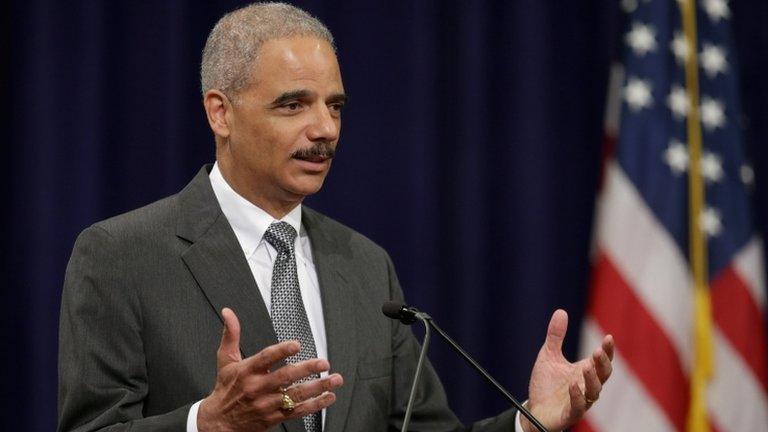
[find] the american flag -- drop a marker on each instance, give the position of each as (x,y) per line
(678,273)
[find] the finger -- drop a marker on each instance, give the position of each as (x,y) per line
(302,409)
(313,405)
(592,386)
(229,348)
(266,391)
(264,359)
(290,373)
(558,325)
(256,384)
(603,364)
(310,389)
(578,403)
(609,346)
(266,405)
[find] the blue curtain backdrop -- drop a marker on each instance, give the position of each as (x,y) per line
(470,151)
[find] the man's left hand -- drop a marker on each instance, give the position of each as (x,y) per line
(561,392)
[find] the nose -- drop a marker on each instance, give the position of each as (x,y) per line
(324,127)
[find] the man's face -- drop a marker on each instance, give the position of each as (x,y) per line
(284,127)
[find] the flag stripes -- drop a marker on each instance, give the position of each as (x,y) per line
(624,397)
(650,345)
(729,295)
(639,282)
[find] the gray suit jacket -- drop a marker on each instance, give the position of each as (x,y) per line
(140,322)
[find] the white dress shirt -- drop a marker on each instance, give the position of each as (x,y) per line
(249,224)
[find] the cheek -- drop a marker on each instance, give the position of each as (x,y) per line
(259,147)
(270,142)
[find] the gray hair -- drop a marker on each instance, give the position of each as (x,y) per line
(233,45)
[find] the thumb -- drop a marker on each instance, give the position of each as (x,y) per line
(558,325)
(229,349)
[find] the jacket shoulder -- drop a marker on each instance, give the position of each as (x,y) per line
(152,219)
(344,237)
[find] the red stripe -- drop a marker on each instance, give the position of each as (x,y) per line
(609,149)
(741,321)
(642,342)
(583,426)
(713,425)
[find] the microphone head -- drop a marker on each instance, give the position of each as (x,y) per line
(399,311)
(393,309)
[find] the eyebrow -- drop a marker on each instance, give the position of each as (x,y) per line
(338,98)
(290,96)
(303,94)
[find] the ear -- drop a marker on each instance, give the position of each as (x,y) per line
(218,109)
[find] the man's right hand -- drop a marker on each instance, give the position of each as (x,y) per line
(248,396)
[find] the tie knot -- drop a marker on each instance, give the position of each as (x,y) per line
(281,236)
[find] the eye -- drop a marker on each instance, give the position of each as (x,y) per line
(290,107)
(336,107)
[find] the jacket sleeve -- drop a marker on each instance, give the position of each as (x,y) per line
(431,412)
(102,372)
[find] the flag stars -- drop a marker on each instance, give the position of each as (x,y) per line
(628,6)
(642,39)
(717,9)
(747,175)
(712,113)
(676,156)
(677,101)
(679,47)
(710,222)
(637,93)
(711,167)
(713,60)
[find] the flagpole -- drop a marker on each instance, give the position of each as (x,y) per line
(703,366)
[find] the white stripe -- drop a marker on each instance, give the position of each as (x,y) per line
(749,265)
(624,403)
(613,101)
(737,401)
(647,257)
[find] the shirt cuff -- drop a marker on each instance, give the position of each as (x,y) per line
(192,417)
(518,423)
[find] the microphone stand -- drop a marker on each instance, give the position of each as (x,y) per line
(486,375)
(426,319)
(408,315)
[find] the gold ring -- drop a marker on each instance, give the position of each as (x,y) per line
(288,403)
(591,401)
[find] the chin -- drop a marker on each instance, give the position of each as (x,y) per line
(305,187)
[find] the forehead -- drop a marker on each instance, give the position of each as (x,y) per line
(288,62)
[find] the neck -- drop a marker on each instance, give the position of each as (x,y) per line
(271,203)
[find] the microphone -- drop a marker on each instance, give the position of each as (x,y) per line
(399,311)
(408,315)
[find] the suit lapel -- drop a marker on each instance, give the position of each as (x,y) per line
(220,268)
(336,287)
(218,264)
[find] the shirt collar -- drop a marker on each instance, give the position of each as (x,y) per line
(248,221)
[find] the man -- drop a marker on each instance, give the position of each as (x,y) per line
(146,292)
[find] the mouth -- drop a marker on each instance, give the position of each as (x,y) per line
(313,158)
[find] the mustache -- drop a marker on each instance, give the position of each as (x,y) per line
(322,149)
